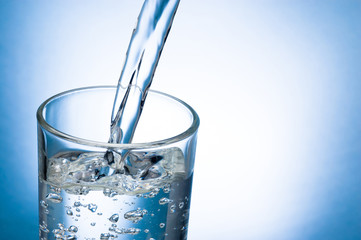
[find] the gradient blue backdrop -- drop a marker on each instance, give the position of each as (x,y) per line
(276,83)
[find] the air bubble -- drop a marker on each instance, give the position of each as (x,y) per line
(43,227)
(135,215)
(43,204)
(114,218)
(69,213)
(92,207)
(55,189)
(166,188)
(131,231)
(92,224)
(163,201)
(55,198)
(72,229)
(172,208)
(109,193)
(61,226)
(161,225)
(181,204)
(104,236)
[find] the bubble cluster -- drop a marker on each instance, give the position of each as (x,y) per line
(135,215)
(43,227)
(164,200)
(65,233)
(116,205)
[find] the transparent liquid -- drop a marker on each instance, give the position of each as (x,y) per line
(80,199)
(145,47)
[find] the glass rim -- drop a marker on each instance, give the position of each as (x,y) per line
(179,137)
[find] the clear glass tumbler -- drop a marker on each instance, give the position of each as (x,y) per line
(91,189)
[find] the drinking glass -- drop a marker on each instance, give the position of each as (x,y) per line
(92,189)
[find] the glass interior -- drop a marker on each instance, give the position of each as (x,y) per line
(83,115)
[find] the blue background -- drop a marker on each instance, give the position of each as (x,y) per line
(277,85)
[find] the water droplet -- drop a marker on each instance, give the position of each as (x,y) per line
(92,224)
(92,207)
(99,213)
(161,225)
(72,229)
(181,204)
(78,215)
(146,231)
(43,204)
(135,215)
(114,225)
(69,212)
(164,200)
(77,209)
(114,218)
(55,198)
(77,204)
